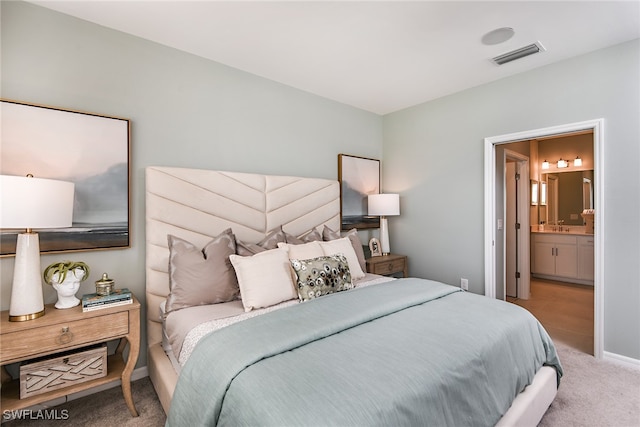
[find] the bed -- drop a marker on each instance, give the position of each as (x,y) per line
(337,358)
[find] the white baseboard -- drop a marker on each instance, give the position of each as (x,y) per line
(621,360)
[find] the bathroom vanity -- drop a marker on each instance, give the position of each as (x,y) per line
(565,256)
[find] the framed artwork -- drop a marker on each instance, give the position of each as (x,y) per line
(358,178)
(375,247)
(90,150)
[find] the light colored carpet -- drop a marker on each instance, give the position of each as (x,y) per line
(104,409)
(592,393)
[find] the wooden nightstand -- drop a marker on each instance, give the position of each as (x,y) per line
(62,330)
(388,265)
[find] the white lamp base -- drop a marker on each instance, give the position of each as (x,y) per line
(27,302)
(384,236)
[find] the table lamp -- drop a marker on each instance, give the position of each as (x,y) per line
(28,203)
(384,205)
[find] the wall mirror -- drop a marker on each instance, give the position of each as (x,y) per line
(568,194)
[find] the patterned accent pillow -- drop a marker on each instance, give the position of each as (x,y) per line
(321,276)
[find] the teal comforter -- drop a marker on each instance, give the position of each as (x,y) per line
(406,352)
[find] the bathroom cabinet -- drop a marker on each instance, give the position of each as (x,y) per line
(585,258)
(563,257)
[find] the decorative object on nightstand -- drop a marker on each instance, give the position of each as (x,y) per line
(65,277)
(384,205)
(104,286)
(106,296)
(96,301)
(374,247)
(28,203)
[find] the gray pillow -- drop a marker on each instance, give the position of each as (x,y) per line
(269,242)
(201,276)
(328,234)
(312,236)
(321,276)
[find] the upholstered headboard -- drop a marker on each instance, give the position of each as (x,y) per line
(197,204)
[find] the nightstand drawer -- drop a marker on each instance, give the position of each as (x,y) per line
(388,267)
(52,338)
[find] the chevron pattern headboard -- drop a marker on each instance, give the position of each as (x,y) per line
(197,204)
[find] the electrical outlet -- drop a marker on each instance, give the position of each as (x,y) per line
(464,284)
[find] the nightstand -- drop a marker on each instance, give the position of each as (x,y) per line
(59,331)
(388,265)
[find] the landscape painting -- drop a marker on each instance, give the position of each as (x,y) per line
(359,177)
(90,150)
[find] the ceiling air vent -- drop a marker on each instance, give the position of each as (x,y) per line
(519,53)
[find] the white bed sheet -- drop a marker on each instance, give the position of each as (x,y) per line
(184,328)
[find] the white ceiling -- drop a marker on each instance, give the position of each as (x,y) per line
(375,55)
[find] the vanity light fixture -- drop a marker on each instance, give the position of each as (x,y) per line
(545,164)
(577,161)
(562,163)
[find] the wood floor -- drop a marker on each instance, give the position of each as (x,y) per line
(564,309)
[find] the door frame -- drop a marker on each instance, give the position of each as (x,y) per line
(490,223)
(524,247)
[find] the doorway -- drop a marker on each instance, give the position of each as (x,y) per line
(494,211)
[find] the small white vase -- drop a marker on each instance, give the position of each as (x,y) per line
(68,288)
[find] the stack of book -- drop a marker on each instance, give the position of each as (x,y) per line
(92,302)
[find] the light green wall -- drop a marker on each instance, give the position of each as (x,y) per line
(433,156)
(184,111)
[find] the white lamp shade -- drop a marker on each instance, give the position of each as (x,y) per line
(27,202)
(384,204)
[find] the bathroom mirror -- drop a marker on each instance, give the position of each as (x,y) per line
(568,194)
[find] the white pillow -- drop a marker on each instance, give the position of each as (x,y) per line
(303,251)
(264,278)
(344,246)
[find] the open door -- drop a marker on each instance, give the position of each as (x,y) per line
(516,214)
(512,232)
